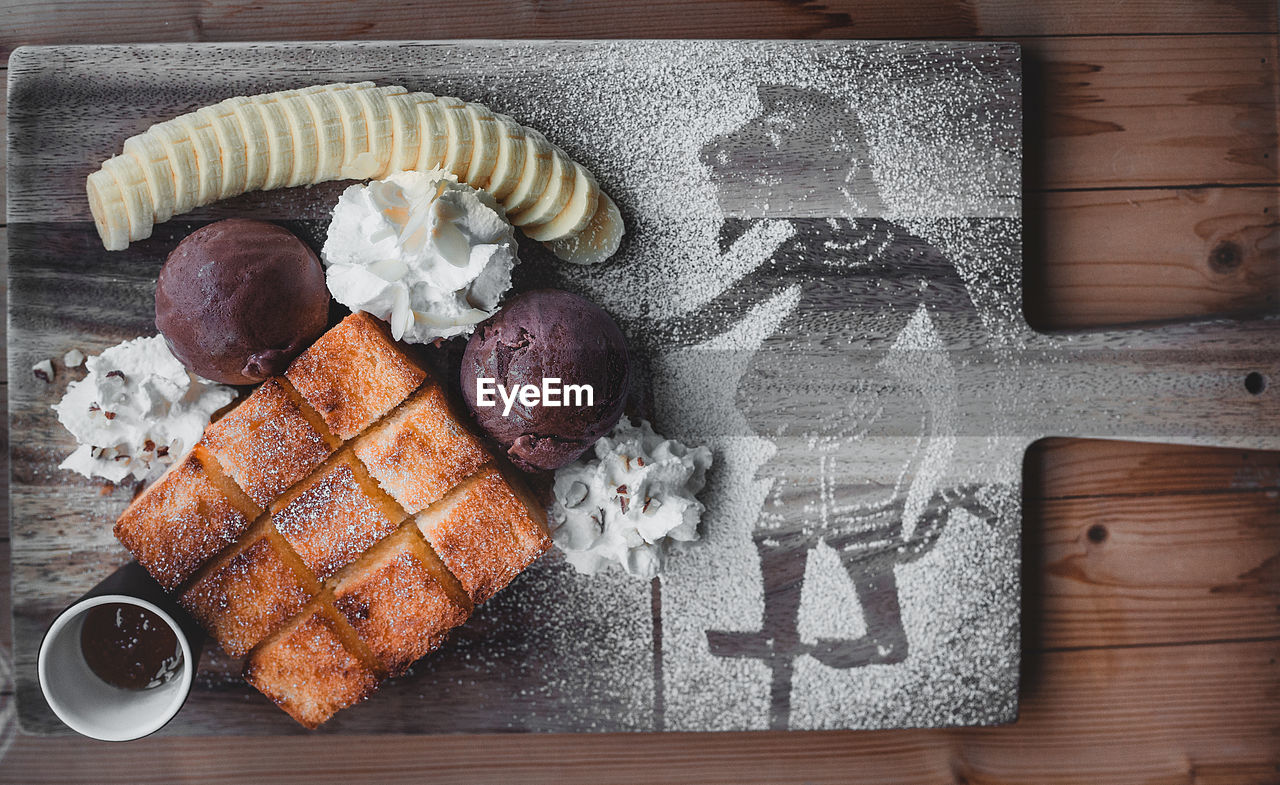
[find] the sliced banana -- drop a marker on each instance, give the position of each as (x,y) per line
(484,145)
(110,216)
(182,159)
(508,164)
(279,141)
(329,138)
(406,133)
(257,150)
(306,148)
(598,240)
(151,155)
(577,213)
(554,197)
(327,132)
(230,138)
(457,155)
(135,193)
(433,130)
(355,132)
(537,171)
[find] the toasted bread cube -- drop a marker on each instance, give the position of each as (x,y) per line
(182,520)
(332,520)
(353,375)
(308,671)
(421,451)
(266,444)
(247,595)
(401,600)
(485,532)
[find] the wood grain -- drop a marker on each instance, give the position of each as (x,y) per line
(1124,113)
(1072,468)
(1129,256)
(1144,570)
(1136,715)
(225,20)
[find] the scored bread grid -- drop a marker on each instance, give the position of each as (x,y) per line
(348,131)
(298,547)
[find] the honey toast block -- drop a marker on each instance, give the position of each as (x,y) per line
(400,600)
(420,451)
(247,594)
(182,520)
(331,518)
(354,374)
(485,531)
(266,444)
(307,670)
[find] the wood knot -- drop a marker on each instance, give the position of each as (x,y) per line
(1225,257)
(1097,533)
(1255,383)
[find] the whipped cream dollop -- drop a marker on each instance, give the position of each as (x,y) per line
(630,502)
(421,251)
(137,411)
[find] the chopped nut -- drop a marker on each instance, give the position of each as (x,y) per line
(73,358)
(109,415)
(622,490)
(651,505)
(163,451)
(118,374)
(148,445)
(43,371)
(576,494)
(624,502)
(639,461)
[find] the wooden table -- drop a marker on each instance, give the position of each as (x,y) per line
(1152,573)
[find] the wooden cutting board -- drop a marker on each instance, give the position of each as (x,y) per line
(822,280)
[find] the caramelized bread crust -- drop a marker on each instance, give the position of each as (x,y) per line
(291,523)
(333,519)
(353,375)
(266,443)
(180,521)
(484,533)
(420,451)
(308,671)
(246,595)
(398,600)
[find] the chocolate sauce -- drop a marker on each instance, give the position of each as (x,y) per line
(129,647)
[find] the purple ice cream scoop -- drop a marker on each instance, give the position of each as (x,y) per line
(540,336)
(238,299)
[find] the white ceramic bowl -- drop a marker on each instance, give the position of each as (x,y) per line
(86,703)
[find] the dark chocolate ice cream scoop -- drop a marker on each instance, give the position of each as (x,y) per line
(541,336)
(238,299)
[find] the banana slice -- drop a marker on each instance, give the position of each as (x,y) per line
(597,241)
(135,193)
(484,148)
(554,197)
(508,164)
(433,130)
(151,155)
(377,115)
(457,155)
(182,159)
(576,214)
(208,157)
(327,132)
(257,153)
(279,141)
(355,132)
(110,216)
(406,136)
(537,171)
(329,135)
(302,128)
(222,119)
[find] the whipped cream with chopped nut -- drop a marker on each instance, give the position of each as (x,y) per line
(630,503)
(137,411)
(421,251)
